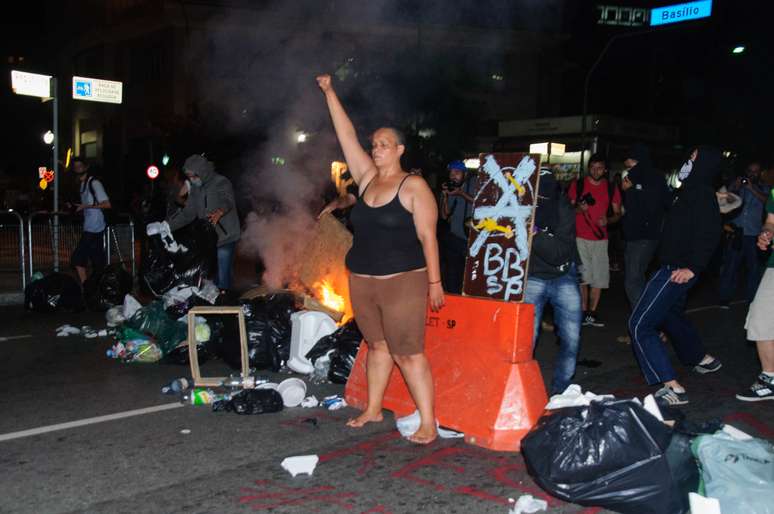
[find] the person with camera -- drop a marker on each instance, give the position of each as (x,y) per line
(552,277)
(688,240)
(743,229)
(597,204)
(760,322)
(94,200)
(456,208)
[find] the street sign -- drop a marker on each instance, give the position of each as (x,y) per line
(622,16)
(152,172)
(31,84)
(97,90)
(680,12)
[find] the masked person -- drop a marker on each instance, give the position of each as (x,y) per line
(393,265)
(687,243)
(553,278)
(456,208)
(211,198)
(94,200)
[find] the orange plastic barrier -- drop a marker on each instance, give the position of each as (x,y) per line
(487,385)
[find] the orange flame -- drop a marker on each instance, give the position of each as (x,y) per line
(328,297)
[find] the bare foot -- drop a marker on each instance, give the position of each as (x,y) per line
(365,417)
(425,435)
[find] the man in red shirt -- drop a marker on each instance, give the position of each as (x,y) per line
(597,203)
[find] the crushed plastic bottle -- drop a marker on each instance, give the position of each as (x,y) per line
(238,382)
(334,402)
(176,386)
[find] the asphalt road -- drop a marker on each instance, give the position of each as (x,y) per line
(230,463)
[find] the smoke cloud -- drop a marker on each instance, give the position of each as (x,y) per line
(253,71)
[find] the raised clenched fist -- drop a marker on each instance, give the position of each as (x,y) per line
(324,81)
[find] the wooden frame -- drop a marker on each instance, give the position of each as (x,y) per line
(193,356)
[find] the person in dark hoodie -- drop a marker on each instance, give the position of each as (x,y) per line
(688,241)
(645,200)
(552,276)
(210,197)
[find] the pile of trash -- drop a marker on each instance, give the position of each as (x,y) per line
(622,455)
(60,292)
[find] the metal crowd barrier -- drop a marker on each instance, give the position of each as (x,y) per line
(52,237)
(13,276)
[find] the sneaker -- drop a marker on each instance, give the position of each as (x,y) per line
(668,397)
(710,367)
(761,390)
(591,320)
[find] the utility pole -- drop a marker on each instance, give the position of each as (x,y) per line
(55,151)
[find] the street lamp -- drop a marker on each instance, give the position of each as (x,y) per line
(738,49)
(48,137)
(301,137)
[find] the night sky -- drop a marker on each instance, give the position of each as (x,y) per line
(685,76)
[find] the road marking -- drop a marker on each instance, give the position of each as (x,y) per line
(10,338)
(708,307)
(88,421)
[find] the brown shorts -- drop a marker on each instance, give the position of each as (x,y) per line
(392,310)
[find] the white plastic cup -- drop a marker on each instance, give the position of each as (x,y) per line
(293,391)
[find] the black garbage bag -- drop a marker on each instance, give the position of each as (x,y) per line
(267,321)
(344,337)
(200,259)
(342,361)
(251,401)
(107,288)
(55,292)
(609,454)
(179,354)
(157,271)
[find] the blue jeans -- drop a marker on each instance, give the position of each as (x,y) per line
(747,253)
(564,294)
(225,263)
(661,306)
(637,257)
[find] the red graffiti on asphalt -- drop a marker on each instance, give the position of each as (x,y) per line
(503,466)
(368,448)
(276,495)
(763,429)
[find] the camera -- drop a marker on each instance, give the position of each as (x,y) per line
(451,185)
(745,181)
(588,199)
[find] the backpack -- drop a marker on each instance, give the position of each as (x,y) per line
(106,213)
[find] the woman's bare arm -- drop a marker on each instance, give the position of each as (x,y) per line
(425,213)
(360,164)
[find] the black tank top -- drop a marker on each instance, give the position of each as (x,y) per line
(385,240)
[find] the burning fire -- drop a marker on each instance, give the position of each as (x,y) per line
(328,297)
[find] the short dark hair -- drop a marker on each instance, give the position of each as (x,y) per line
(598,157)
(400,137)
(80,159)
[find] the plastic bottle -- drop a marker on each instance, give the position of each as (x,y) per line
(244,382)
(117,351)
(199,396)
(176,386)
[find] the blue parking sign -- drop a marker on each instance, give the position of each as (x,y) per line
(83,88)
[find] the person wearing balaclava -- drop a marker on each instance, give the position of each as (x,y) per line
(689,238)
(94,200)
(645,199)
(552,275)
(211,198)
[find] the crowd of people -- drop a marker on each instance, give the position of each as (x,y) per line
(673,236)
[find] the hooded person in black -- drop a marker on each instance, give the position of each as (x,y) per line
(552,276)
(690,235)
(645,198)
